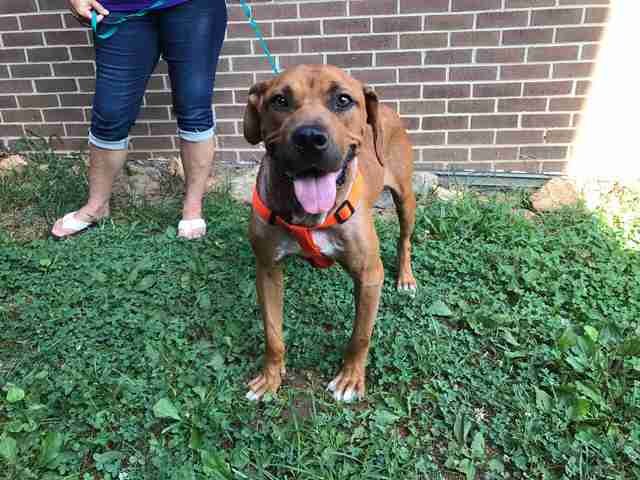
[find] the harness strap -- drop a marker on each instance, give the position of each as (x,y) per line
(302,234)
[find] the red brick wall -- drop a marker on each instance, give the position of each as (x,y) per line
(481,84)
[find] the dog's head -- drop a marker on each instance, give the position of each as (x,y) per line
(312,120)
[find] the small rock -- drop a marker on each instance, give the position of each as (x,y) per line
(241,183)
(144,181)
(424,182)
(446,194)
(526,214)
(11,165)
(556,193)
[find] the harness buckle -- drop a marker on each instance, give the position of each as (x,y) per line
(339,217)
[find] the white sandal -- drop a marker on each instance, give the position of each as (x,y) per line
(192,229)
(70,223)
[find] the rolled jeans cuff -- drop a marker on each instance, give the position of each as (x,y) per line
(196,136)
(108,144)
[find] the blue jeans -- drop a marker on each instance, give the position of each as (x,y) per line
(189,37)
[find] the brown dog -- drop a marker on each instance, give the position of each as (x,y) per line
(331,148)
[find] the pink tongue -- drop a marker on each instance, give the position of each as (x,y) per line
(316,194)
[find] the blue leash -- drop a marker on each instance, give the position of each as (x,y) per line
(245,8)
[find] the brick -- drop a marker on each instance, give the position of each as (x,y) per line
(374,42)
(448,22)
(573,70)
(63,115)
(567,104)
(503,19)
(470,137)
(471,106)
(243,47)
(527,36)
(398,59)
(21,116)
(82,53)
(491,154)
(48,54)
(420,6)
(551,54)
(466,166)
(536,89)
(445,123)
(597,15)
(398,91)
(158,98)
(497,89)
(251,64)
(12,55)
(30,71)
(550,153)
(590,52)
(554,167)
(78,129)
(494,121)
(347,60)
(75,69)
(67,37)
(411,123)
(523,72)
(322,9)
(4,71)
(87,84)
(516,137)
(500,55)
(41,21)
(38,101)
(470,74)
(8,24)
(575,122)
(422,107)
(45,129)
(375,75)
(530,3)
(56,85)
(550,120)
(475,39)
(15,86)
(427,138)
(11,130)
(445,154)
(446,91)
(447,57)
(46,5)
(468,5)
(585,2)
(228,80)
(277,11)
(244,30)
(557,16)
(8,101)
(17,6)
(579,34)
(148,143)
(76,100)
(423,40)
(560,136)
(422,75)
(528,166)
(379,7)
(583,87)
(325,44)
(522,104)
(347,26)
(22,39)
(396,24)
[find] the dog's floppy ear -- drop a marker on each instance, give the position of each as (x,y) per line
(373,119)
(252,127)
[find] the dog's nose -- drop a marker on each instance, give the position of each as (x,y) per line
(310,138)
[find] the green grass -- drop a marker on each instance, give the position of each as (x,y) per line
(124,353)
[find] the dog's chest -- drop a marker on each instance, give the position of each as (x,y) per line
(328,243)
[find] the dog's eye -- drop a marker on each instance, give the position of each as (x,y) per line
(344,101)
(279,101)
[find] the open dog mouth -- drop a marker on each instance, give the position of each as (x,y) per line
(316,190)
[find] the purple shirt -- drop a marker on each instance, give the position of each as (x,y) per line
(135,5)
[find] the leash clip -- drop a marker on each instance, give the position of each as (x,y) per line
(339,217)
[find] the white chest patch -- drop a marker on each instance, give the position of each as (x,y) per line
(328,244)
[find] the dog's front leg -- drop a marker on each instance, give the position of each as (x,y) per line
(368,277)
(270,286)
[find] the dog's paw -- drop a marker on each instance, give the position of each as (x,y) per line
(407,284)
(348,386)
(263,383)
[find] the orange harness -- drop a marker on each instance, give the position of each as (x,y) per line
(303,234)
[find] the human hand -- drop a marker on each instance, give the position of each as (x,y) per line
(81,9)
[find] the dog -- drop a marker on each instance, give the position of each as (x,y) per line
(331,148)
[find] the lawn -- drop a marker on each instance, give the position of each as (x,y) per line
(124,353)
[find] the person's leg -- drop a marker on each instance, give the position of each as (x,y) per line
(191,36)
(124,63)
